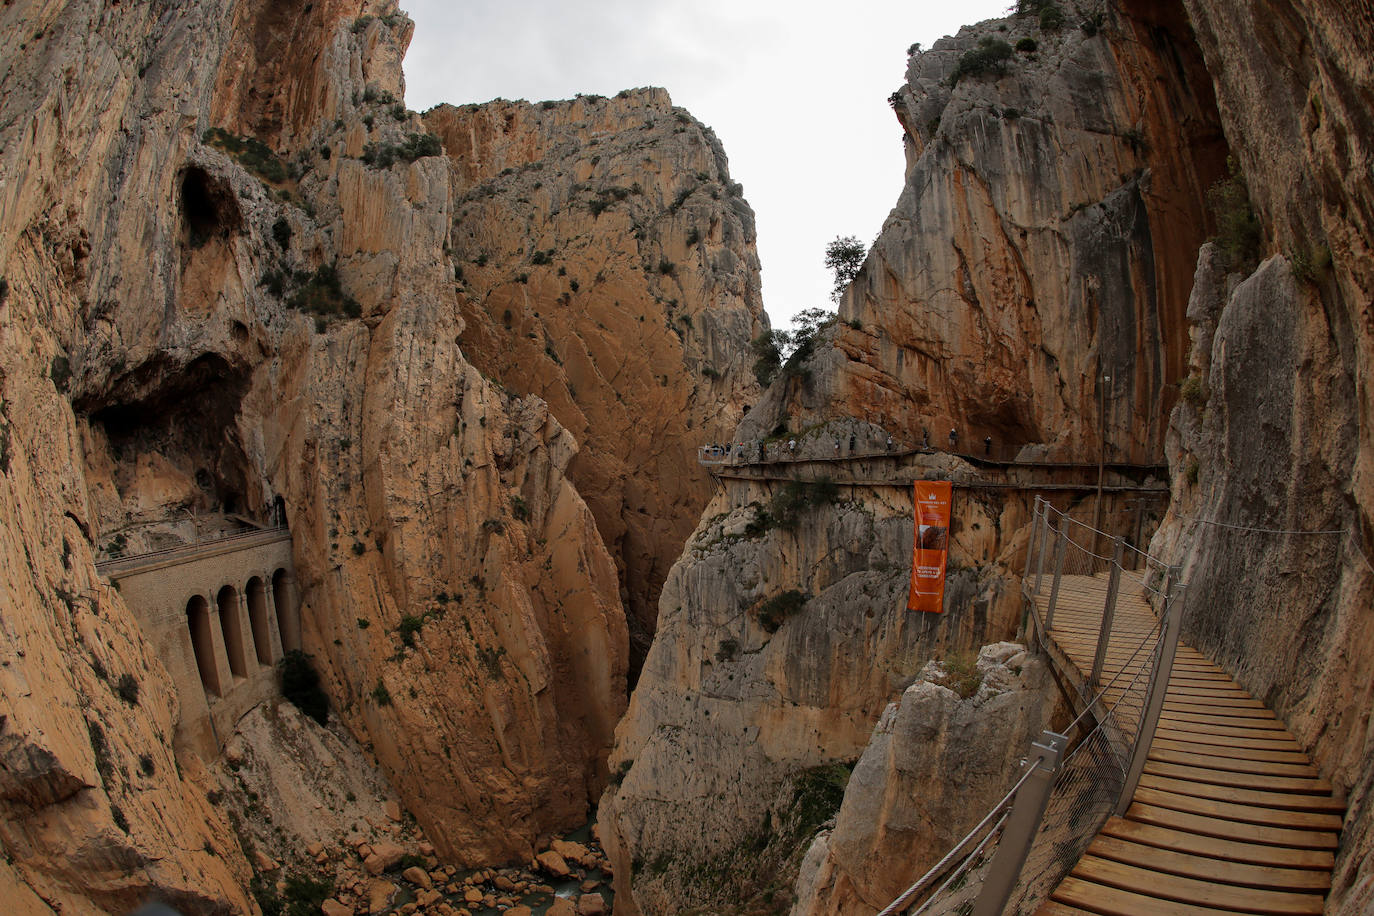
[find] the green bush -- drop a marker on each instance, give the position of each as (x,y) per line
(961,674)
(251,153)
(414,146)
(322,294)
(988,59)
(1238,231)
(300,685)
(772,613)
(408,627)
(1027,45)
(127,688)
(380,695)
(767,356)
(1194,391)
(304,894)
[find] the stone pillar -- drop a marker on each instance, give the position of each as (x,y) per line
(226,674)
(289,612)
(246,636)
(273,628)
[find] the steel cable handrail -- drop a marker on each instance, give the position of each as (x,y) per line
(950,857)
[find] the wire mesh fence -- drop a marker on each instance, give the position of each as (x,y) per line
(1103,746)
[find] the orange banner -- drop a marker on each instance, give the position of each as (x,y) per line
(932,499)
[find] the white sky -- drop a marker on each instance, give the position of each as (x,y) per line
(796,91)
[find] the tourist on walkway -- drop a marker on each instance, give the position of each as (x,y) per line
(953,440)
(852,440)
(987,446)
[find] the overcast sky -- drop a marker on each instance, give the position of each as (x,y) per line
(796,91)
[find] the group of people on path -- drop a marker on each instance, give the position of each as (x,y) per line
(740,452)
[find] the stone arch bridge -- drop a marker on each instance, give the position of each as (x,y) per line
(220,614)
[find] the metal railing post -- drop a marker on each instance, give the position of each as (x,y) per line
(1036,542)
(1159,686)
(1108,613)
(1027,809)
(1060,548)
(1044,543)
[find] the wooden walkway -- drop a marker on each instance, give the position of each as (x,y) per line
(1230,816)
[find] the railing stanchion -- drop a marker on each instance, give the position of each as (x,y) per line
(1022,824)
(1158,687)
(1060,549)
(1108,613)
(1044,543)
(1034,537)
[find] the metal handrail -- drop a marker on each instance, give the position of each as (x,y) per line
(1128,738)
(199,542)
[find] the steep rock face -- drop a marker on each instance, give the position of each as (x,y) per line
(1044,238)
(1277,443)
(898,816)
(1046,235)
(193,324)
(778,648)
(578,227)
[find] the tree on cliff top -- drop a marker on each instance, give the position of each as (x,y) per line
(845,255)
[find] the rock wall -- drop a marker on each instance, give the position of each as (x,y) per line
(1044,238)
(1276,442)
(1046,235)
(581,226)
(898,816)
(227,292)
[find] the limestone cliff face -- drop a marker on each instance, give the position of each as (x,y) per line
(899,816)
(1040,242)
(195,325)
(605,262)
(1045,236)
(1277,436)
(777,650)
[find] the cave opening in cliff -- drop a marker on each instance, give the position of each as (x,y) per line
(208,207)
(173,447)
(203,644)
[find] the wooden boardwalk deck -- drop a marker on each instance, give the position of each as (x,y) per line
(1230,816)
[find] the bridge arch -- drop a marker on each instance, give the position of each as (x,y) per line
(288,614)
(203,644)
(256,590)
(232,629)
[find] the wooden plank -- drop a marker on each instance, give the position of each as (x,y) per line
(1054,908)
(1151,794)
(1111,901)
(1188,744)
(1278,801)
(1149,883)
(1217,848)
(1266,783)
(1222,721)
(1198,706)
(1237,699)
(1200,756)
(1149,813)
(1233,738)
(1206,868)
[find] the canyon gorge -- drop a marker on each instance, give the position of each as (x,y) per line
(298,385)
